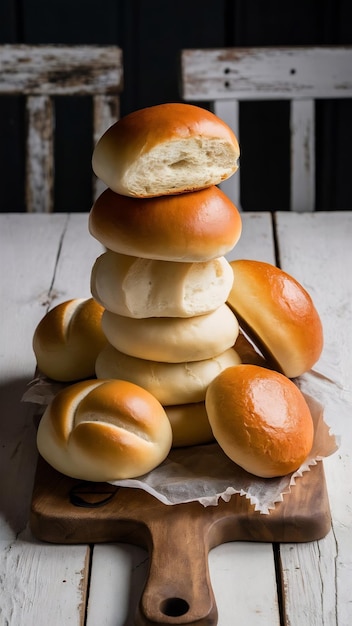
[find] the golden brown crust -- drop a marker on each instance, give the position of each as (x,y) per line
(190,227)
(68,338)
(190,424)
(278,314)
(261,420)
(103,430)
(167,148)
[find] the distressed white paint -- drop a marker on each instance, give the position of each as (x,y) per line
(227,76)
(316,249)
(41,72)
(228,110)
(58,70)
(302,127)
(47,258)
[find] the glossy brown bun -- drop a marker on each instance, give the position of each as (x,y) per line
(165,149)
(68,339)
(278,314)
(260,419)
(140,288)
(170,383)
(103,431)
(172,339)
(190,227)
(190,424)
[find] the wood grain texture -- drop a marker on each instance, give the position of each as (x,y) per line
(316,249)
(178,537)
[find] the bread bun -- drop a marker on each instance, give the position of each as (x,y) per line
(104,430)
(260,419)
(165,149)
(170,383)
(190,424)
(172,339)
(190,227)
(140,288)
(68,339)
(278,314)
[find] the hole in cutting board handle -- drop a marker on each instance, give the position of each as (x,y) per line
(174,607)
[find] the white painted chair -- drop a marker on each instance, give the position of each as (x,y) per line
(43,71)
(227,76)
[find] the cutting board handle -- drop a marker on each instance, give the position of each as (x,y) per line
(178,589)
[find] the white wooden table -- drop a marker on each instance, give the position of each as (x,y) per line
(45,259)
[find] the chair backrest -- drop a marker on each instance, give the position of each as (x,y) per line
(41,72)
(227,76)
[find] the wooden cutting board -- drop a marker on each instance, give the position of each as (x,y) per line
(178,537)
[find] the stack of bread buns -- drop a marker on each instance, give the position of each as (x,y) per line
(164,279)
(181,346)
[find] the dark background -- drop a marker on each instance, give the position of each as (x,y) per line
(151,34)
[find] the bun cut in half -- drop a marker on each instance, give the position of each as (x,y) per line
(189,227)
(68,339)
(140,288)
(165,149)
(104,430)
(260,419)
(278,315)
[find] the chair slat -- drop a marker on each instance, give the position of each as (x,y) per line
(228,110)
(39,154)
(302,122)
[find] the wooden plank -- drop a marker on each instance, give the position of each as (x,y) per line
(323,240)
(229,112)
(60,70)
(267,73)
(39,154)
(302,126)
(106,111)
(32,576)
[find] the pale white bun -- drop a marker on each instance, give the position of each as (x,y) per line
(190,424)
(278,314)
(189,227)
(104,430)
(68,339)
(170,383)
(172,339)
(140,288)
(260,419)
(165,149)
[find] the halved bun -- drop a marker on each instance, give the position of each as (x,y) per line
(172,339)
(260,419)
(190,227)
(104,430)
(165,149)
(170,383)
(278,314)
(140,288)
(68,339)
(190,424)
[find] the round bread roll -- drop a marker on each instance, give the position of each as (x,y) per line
(170,383)
(278,314)
(165,149)
(172,339)
(104,430)
(140,288)
(190,424)
(260,419)
(68,339)
(189,227)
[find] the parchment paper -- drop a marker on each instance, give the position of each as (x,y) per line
(204,473)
